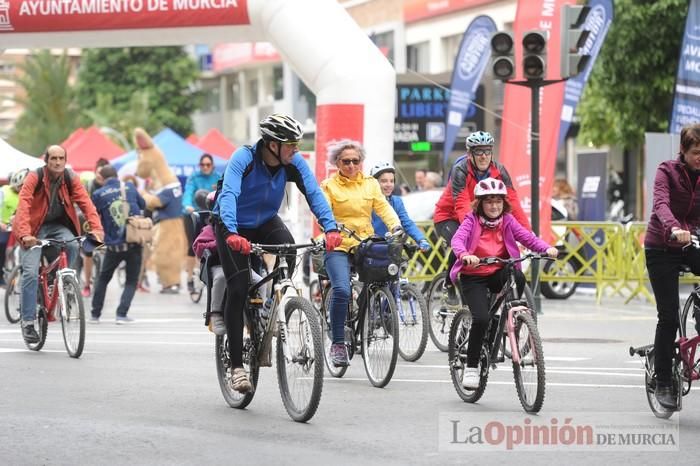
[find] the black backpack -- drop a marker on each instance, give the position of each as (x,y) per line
(67,178)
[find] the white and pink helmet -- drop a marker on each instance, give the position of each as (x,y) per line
(490,187)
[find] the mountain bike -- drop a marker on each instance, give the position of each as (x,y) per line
(511,320)
(686,363)
(59,291)
(371,325)
(293,321)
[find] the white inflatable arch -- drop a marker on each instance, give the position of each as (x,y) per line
(353,82)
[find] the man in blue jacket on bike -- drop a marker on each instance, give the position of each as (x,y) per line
(250,195)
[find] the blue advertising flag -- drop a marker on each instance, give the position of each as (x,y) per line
(474,54)
(686,100)
(598,22)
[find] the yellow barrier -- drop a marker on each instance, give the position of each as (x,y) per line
(607,254)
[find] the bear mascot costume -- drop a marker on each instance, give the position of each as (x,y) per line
(169,242)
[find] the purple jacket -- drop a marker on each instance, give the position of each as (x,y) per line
(467,237)
(205,240)
(675,205)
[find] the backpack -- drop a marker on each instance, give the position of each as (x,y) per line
(67,178)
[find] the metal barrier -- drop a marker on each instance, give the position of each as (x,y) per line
(607,254)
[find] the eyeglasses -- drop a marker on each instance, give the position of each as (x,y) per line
(347,162)
(482,152)
(294,144)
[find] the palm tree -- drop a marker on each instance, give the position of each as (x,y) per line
(50,108)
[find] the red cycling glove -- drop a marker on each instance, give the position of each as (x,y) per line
(239,244)
(333,240)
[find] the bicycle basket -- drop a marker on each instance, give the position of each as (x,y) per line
(377,260)
(318,262)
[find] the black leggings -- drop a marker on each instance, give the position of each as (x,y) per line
(447,230)
(235,267)
(663,267)
(474,291)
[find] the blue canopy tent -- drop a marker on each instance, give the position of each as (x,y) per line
(182,157)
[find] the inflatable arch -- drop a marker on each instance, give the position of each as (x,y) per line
(353,82)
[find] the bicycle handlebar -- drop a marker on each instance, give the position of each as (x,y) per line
(42,243)
(281,249)
(498,260)
(389,236)
(694,241)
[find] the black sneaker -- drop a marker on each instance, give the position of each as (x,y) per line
(29,333)
(665,396)
(452,298)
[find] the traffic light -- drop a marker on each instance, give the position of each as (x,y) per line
(502,63)
(573,37)
(534,55)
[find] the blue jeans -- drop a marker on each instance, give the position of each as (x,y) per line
(338,270)
(30,259)
(112,259)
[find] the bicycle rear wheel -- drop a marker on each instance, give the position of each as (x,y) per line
(13,295)
(440,315)
(327,335)
(300,378)
(457,357)
(688,321)
(528,373)
(72,316)
(413,323)
(380,339)
(224,371)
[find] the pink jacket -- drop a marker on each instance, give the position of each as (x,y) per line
(205,240)
(467,236)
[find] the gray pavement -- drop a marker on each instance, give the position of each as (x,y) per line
(147,394)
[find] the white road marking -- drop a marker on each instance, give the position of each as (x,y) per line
(25,350)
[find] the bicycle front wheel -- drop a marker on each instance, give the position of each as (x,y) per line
(380,338)
(300,360)
(72,317)
(528,373)
(690,314)
(650,387)
(13,295)
(439,313)
(413,322)
(224,370)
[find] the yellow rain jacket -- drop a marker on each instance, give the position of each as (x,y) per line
(352,202)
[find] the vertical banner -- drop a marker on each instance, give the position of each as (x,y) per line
(592,185)
(474,53)
(598,22)
(686,101)
(515,145)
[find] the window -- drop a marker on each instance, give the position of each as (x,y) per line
(234,96)
(450,47)
(278,82)
(418,57)
(211,100)
(253,86)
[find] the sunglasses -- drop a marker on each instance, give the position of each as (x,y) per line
(480,152)
(291,144)
(347,162)
(205,165)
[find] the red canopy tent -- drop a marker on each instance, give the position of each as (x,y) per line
(74,136)
(215,143)
(192,139)
(88,146)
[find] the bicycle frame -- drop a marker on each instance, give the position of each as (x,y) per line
(51,297)
(686,352)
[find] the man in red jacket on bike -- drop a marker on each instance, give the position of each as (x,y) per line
(456,199)
(45,210)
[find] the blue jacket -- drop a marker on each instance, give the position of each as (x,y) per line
(251,194)
(198,181)
(108,202)
(408,225)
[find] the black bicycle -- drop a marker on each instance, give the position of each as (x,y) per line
(299,352)
(371,323)
(511,320)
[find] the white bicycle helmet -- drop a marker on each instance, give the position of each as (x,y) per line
(281,128)
(17,179)
(381,168)
(490,187)
(479,138)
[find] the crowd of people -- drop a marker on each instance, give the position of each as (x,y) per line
(478,214)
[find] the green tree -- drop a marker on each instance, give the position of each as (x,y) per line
(139,86)
(50,108)
(630,90)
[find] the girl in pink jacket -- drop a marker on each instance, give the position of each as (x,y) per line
(489,231)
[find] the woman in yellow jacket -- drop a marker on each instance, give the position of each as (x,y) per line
(352,197)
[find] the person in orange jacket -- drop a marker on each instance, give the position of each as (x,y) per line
(45,210)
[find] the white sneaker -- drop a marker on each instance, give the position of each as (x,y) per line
(470,378)
(216,321)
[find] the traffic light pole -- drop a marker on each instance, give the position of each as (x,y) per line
(535,85)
